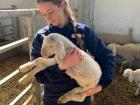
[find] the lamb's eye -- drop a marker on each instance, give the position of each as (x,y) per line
(51,46)
(52,39)
(50,12)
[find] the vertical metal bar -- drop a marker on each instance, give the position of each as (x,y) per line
(76,8)
(13,28)
(1,30)
(92,4)
(130,34)
(16,28)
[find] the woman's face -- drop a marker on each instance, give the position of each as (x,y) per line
(52,13)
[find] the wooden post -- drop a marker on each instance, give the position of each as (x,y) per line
(31,33)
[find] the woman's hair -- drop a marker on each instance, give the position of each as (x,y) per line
(69,13)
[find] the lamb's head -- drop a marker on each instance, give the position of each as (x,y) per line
(112,46)
(128,73)
(53,47)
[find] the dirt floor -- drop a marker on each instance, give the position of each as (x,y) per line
(120,92)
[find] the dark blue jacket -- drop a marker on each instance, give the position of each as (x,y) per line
(55,81)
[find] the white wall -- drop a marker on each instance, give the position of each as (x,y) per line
(116,16)
(110,16)
(18,3)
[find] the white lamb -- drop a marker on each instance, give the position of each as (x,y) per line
(133,76)
(87,73)
(129,52)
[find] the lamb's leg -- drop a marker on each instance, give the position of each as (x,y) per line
(30,65)
(130,64)
(138,90)
(129,61)
(71,97)
(121,68)
(40,64)
(76,94)
(27,67)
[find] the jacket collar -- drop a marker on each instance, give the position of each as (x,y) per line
(67,27)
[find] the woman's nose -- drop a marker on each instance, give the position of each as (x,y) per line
(48,18)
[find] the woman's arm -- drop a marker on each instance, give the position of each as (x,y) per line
(103,56)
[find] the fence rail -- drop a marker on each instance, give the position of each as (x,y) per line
(8,77)
(21,95)
(15,44)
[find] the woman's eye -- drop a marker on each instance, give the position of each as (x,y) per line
(50,12)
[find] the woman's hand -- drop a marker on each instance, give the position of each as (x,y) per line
(93,90)
(72,58)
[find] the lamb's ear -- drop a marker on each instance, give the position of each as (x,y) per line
(130,77)
(114,50)
(60,51)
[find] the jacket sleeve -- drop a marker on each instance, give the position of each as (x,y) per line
(102,55)
(36,46)
(35,53)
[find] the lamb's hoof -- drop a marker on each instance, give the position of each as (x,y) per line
(120,72)
(62,100)
(136,94)
(59,102)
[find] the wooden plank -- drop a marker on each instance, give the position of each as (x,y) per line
(115,38)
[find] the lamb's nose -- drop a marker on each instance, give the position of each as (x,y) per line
(42,52)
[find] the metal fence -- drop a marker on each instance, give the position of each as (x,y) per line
(34,98)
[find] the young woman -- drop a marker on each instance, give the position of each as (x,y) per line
(61,20)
